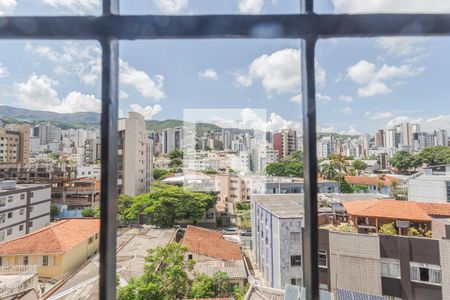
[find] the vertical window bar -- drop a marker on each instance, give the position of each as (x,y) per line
(310,238)
(109,137)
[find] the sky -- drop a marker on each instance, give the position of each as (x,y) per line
(362,84)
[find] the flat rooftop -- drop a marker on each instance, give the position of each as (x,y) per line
(284,206)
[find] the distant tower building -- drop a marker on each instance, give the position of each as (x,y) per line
(288,142)
(15,144)
(277,145)
(379,138)
(441,137)
(135,156)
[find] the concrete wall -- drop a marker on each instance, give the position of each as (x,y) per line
(444,250)
(288,248)
(355,262)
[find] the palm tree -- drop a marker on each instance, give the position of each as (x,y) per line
(339,162)
(327,171)
(380,183)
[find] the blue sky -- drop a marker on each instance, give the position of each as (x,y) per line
(362,84)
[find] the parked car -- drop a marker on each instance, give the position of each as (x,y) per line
(246,233)
(231,230)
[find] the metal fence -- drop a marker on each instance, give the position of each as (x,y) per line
(307,26)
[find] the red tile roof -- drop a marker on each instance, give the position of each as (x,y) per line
(210,243)
(55,238)
(370,180)
(399,210)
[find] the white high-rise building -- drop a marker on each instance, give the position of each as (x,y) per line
(135,156)
(441,137)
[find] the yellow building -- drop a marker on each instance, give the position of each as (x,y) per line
(56,250)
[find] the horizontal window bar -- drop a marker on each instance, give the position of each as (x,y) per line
(224,26)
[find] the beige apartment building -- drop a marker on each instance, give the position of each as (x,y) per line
(135,156)
(15,144)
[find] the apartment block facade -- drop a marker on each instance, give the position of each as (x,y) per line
(432,186)
(15,145)
(23,209)
(135,156)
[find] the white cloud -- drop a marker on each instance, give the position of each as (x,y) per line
(209,74)
(148,112)
(250,119)
(148,87)
(345,98)
(401,46)
(82,59)
(386,6)
(3,71)
(171,6)
(326,129)
(324,98)
(375,81)
(74,6)
(253,7)
(39,93)
(346,110)
(78,102)
(379,115)
(426,124)
(241,79)
(7,7)
(296,99)
(351,131)
(123,95)
(280,71)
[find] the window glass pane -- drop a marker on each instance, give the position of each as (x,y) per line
(381,6)
(222,119)
(196,7)
(49,136)
(50,7)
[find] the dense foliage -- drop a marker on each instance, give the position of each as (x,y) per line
(291,165)
(165,205)
(166,278)
(438,155)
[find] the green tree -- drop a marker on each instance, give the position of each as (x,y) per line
(220,284)
(387,228)
(438,155)
(159,174)
(296,156)
(166,204)
(176,153)
(176,162)
(359,165)
(275,169)
(327,171)
(345,187)
(88,213)
(339,163)
(53,211)
(202,287)
(404,161)
(165,276)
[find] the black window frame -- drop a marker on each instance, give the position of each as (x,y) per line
(296,260)
(110,27)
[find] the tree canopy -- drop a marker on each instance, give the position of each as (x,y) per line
(437,155)
(404,161)
(291,165)
(166,204)
(359,166)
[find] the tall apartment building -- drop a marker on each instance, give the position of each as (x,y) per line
(285,142)
(380,138)
(23,209)
(47,133)
(441,137)
(135,156)
(15,144)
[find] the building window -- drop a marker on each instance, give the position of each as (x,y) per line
(323,259)
(189,256)
(296,260)
(45,260)
(20,227)
(21,211)
(10,198)
(22,196)
(31,209)
(2,218)
(2,236)
(390,267)
(91,239)
(10,215)
(297,281)
(425,273)
(295,237)
(31,194)
(448,191)
(9,231)
(25,260)
(2,201)
(30,224)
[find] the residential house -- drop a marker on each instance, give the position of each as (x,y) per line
(375,184)
(57,249)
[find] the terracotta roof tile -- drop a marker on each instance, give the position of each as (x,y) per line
(370,180)
(58,237)
(210,243)
(399,210)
